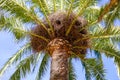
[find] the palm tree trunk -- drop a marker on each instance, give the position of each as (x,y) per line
(59,65)
(59,50)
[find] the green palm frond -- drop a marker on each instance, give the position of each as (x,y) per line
(86,4)
(113,15)
(16,26)
(20,10)
(54,5)
(70,7)
(16,57)
(42,4)
(45,11)
(19,13)
(97,55)
(49,6)
(105,46)
(117,62)
(36,61)
(43,67)
(110,51)
(57,5)
(3,22)
(106,33)
(87,71)
(93,14)
(23,68)
(94,69)
(72,75)
(103,33)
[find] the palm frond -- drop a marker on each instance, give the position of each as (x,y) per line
(112,15)
(2,3)
(102,33)
(87,71)
(109,49)
(70,8)
(16,27)
(3,22)
(117,62)
(20,10)
(54,5)
(13,24)
(93,14)
(107,33)
(105,46)
(94,69)
(61,4)
(98,55)
(43,7)
(86,3)
(42,4)
(42,67)
(30,33)
(17,56)
(72,75)
(36,61)
(23,68)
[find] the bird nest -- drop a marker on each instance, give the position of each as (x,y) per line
(61,21)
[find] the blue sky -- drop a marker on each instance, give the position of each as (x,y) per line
(8,47)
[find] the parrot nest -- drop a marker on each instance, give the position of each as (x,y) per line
(60,22)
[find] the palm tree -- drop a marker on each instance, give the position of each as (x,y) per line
(61,33)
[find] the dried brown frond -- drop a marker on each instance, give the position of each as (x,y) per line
(60,23)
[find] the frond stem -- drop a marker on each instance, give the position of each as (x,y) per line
(112,16)
(38,21)
(54,5)
(51,27)
(61,4)
(41,37)
(81,47)
(81,11)
(96,37)
(70,9)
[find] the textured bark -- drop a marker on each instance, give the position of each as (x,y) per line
(59,65)
(59,51)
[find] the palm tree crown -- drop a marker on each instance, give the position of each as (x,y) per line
(78,22)
(61,23)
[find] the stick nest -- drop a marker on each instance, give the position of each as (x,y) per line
(60,22)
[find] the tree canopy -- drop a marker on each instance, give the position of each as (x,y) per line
(20,16)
